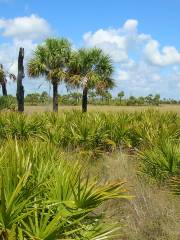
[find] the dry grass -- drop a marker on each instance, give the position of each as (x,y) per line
(153,214)
(92,108)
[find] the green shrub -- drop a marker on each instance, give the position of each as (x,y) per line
(7,102)
(162,161)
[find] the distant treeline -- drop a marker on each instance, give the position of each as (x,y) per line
(75,98)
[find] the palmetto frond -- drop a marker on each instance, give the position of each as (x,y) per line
(94,65)
(36,68)
(55,74)
(73,80)
(50,60)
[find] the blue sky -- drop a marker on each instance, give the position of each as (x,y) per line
(141,36)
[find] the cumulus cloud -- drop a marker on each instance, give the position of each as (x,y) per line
(168,56)
(141,65)
(23,32)
(117,42)
(32,27)
(130,25)
(139,79)
(110,42)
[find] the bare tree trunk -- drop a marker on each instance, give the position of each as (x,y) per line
(4,89)
(84,99)
(20,87)
(55,97)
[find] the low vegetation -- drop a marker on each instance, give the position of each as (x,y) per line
(7,103)
(97,99)
(46,197)
(63,176)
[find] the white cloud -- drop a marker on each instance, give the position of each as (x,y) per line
(139,79)
(110,41)
(117,42)
(32,27)
(19,32)
(130,25)
(141,66)
(169,54)
(23,32)
(122,75)
(9,53)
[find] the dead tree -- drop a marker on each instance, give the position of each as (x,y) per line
(20,76)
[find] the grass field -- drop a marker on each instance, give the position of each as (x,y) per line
(92,108)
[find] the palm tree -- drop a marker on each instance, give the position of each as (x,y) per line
(91,69)
(76,96)
(50,61)
(92,96)
(120,96)
(3,79)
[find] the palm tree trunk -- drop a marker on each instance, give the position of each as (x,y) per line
(20,87)
(5,235)
(4,89)
(55,97)
(84,99)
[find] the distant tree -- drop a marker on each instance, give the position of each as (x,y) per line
(76,97)
(64,99)
(121,95)
(149,99)
(44,97)
(106,96)
(156,99)
(33,99)
(132,100)
(92,95)
(140,100)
